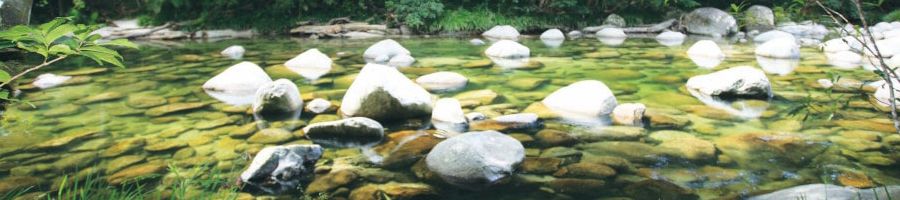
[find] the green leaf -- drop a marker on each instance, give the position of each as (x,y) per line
(121,43)
(4,76)
(61,49)
(58,32)
(101,49)
(15,33)
(101,57)
(47,27)
(33,49)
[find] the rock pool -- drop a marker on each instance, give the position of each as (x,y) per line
(152,122)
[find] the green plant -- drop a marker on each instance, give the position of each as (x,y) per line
(57,40)
(892,16)
(415,13)
(811,109)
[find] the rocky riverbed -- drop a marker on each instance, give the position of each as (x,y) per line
(630,117)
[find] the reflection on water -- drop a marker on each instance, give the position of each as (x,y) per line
(777,66)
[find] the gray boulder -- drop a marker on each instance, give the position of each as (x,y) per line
(710,21)
(476,160)
(615,20)
(278,100)
(742,81)
(350,132)
(280,169)
(504,32)
(828,191)
(384,94)
(759,18)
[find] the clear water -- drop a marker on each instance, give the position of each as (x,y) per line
(768,150)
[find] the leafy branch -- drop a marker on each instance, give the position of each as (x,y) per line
(57,40)
(888,74)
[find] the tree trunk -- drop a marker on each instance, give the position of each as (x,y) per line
(15,12)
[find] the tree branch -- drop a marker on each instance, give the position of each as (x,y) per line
(17,76)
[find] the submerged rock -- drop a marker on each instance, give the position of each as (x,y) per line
(477,42)
(507,49)
(394,191)
(502,32)
(137,172)
(742,81)
(763,150)
(350,132)
(383,51)
(311,64)
(710,21)
(235,52)
(443,81)
(48,80)
(237,84)
(771,35)
(173,108)
(476,160)
(280,169)
(448,116)
(279,100)
(402,60)
(583,100)
(384,94)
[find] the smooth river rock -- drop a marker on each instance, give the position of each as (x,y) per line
(279,100)
(503,32)
(448,116)
(237,84)
(507,49)
(278,169)
(742,81)
(235,52)
(311,64)
(476,160)
(384,94)
(443,81)
(710,21)
(584,100)
(383,51)
(350,132)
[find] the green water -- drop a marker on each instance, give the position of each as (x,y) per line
(108,132)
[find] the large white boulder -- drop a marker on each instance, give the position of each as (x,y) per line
(502,32)
(706,48)
(383,51)
(476,160)
(311,64)
(278,100)
(710,21)
(583,100)
(742,81)
(783,47)
(611,33)
(507,49)
(443,81)
(384,94)
(238,84)
(235,52)
(670,38)
(448,116)
(706,54)
(553,34)
(280,169)
(770,35)
(49,80)
(835,45)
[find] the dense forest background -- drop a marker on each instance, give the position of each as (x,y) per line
(428,15)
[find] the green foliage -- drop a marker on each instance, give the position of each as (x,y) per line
(415,13)
(50,40)
(892,16)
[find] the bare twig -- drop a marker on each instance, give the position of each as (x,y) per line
(889,74)
(17,76)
